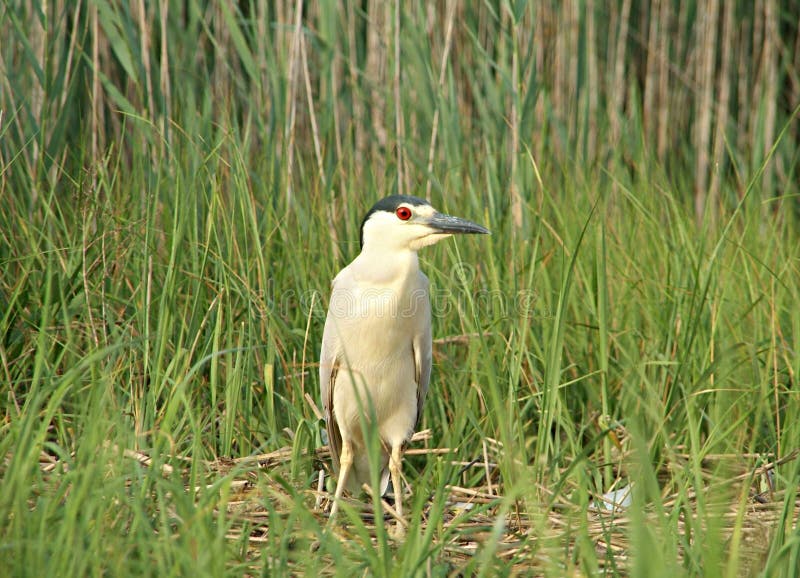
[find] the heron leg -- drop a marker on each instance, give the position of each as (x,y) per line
(345,464)
(395,469)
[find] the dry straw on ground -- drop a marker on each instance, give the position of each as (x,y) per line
(534,535)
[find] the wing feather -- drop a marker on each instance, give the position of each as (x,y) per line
(422,350)
(328,371)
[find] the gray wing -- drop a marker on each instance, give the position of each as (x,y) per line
(421,348)
(328,370)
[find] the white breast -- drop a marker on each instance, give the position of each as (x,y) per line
(375,321)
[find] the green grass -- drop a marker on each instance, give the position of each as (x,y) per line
(176,325)
(162,304)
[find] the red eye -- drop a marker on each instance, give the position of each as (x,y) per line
(403,213)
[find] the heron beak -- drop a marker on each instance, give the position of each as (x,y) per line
(448,225)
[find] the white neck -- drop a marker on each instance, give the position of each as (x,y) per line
(378,265)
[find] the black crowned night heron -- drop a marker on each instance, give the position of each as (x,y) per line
(376,347)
